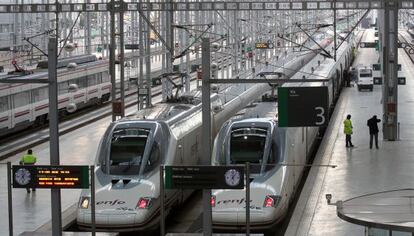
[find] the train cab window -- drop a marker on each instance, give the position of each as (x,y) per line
(21,99)
(4,104)
(247,145)
(127,151)
(40,94)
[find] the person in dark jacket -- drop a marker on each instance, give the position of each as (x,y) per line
(373,130)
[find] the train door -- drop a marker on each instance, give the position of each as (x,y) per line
(338,81)
(346,61)
(21,106)
(80,94)
(300,156)
(92,87)
(5,112)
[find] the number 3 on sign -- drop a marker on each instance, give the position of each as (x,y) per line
(320,114)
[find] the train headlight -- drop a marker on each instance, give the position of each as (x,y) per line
(213,201)
(84,202)
(144,203)
(271,201)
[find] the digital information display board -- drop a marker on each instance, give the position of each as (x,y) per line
(303,106)
(264,45)
(36,176)
(204,177)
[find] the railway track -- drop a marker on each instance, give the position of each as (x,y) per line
(407,46)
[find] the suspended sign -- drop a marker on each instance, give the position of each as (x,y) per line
(131,46)
(264,45)
(303,106)
(367,44)
(204,177)
(34,176)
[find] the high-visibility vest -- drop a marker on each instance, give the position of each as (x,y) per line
(347,126)
(29,159)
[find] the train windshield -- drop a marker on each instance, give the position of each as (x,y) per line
(247,145)
(127,150)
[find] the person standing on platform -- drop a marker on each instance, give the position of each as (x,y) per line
(347,78)
(373,130)
(28,159)
(348,131)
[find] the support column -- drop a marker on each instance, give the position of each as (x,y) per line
(141,60)
(112,57)
(122,60)
(54,133)
(206,128)
(389,60)
(148,62)
(235,44)
(88,32)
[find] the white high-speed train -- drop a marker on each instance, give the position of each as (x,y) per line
(132,149)
(254,136)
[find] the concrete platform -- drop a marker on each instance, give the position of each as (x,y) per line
(360,170)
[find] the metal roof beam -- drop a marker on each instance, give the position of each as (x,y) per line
(203,6)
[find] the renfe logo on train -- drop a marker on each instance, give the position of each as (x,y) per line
(111,203)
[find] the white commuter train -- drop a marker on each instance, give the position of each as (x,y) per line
(132,149)
(255,137)
(22,105)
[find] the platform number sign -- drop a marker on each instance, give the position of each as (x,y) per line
(303,106)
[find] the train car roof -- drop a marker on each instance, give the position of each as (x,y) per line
(43,73)
(322,71)
(258,110)
(160,111)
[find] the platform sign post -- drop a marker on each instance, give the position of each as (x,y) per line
(162,203)
(247,168)
(54,130)
(303,106)
(93,200)
(10,198)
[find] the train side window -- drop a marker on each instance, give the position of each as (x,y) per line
(40,94)
(63,87)
(92,80)
(105,77)
(4,104)
(21,99)
(99,78)
(273,158)
(82,82)
(154,159)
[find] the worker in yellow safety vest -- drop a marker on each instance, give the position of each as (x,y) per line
(348,131)
(28,159)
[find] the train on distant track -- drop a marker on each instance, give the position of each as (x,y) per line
(277,155)
(132,149)
(82,81)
